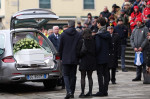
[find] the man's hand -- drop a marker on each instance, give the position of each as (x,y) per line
(140,49)
(148,69)
(148,34)
(135,49)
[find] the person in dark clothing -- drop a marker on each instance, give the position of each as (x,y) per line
(115,11)
(122,30)
(68,54)
(114,53)
(88,61)
(79,25)
(124,17)
(148,54)
(148,22)
(55,37)
(132,1)
(94,26)
(105,13)
(103,45)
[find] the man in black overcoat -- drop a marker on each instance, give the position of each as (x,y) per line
(102,40)
(68,54)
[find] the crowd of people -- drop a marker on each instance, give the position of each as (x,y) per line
(100,42)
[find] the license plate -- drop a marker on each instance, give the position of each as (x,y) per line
(35,77)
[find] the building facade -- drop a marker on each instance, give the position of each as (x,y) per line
(65,9)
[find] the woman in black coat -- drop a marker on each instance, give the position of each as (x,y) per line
(114,53)
(87,60)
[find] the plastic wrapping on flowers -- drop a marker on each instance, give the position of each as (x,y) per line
(26,43)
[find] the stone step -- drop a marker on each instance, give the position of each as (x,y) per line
(129,67)
(129,48)
(129,57)
(127,62)
(131,52)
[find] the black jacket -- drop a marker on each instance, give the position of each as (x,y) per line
(68,46)
(54,40)
(115,51)
(103,45)
(94,28)
(106,14)
(148,25)
(88,59)
(122,30)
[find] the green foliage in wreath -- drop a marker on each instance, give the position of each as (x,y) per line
(26,43)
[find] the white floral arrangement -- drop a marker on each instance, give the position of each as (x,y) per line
(26,43)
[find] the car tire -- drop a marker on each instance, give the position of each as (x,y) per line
(50,84)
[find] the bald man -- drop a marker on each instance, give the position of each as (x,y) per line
(105,13)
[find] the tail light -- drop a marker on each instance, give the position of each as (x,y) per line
(56,71)
(8,59)
(16,73)
(57,57)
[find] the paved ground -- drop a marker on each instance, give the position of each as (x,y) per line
(124,89)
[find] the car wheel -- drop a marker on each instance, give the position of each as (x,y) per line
(50,84)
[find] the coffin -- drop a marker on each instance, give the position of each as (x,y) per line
(30,56)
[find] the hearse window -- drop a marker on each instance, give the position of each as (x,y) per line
(2,42)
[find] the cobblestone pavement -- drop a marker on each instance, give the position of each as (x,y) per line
(124,89)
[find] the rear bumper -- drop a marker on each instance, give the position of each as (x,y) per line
(23,77)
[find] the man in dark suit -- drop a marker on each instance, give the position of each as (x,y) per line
(55,37)
(114,54)
(122,30)
(68,54)
(103,45)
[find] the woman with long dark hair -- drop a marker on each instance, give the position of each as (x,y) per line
(87,61)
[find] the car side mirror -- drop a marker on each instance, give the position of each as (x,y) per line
(2,51)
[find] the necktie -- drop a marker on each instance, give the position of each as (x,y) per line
(57,36)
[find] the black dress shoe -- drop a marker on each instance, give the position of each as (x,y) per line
(98,94)
(81,95)
(105,94)
(136,79)
(89,94)
(124,70)
(113,82)
(68,96)
(72,96)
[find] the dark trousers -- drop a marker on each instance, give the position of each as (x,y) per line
(112,74)
(69,74)
(142,68)
(103,77)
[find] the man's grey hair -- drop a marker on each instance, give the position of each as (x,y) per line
(55,27)
(71,23)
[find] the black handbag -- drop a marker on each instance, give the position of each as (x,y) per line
(146,78)
(83,48)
